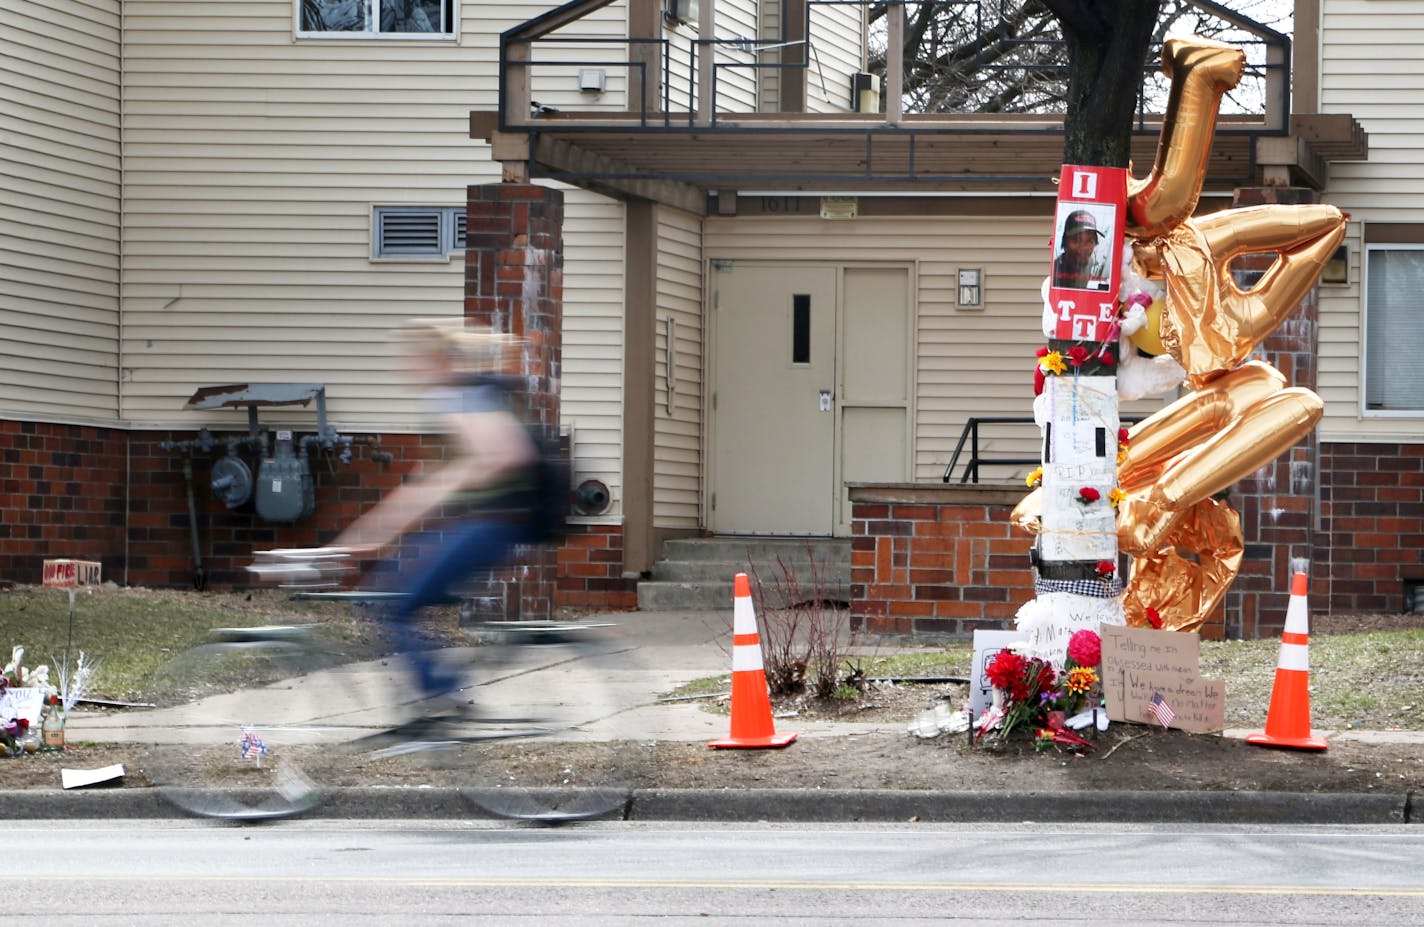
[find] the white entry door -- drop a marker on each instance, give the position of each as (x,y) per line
(773,402)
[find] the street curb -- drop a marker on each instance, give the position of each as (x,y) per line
(793,805)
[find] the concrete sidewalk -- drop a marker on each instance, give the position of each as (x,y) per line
(669,649)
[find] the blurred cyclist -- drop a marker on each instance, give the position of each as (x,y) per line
(485,494)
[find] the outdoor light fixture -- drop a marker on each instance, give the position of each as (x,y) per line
(680,11)
(1337,269)
(970,288)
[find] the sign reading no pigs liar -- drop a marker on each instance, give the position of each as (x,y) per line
(1139,662)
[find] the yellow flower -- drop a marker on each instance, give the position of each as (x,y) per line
(1053,363)
(1081,679)
(1115,496)
(1034,478)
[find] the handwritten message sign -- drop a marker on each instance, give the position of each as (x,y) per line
(1060,616)
(1139,661)
(1197,704)
(987,645)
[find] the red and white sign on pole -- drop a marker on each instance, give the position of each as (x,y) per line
(1087,259)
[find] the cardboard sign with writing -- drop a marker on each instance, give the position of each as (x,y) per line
(1139,661)
(1197,704)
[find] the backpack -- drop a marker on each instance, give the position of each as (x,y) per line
(553,486)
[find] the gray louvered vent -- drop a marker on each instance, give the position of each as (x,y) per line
(459,244)
(408,232)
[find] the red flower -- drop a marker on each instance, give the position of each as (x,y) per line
(1077,355)
(1089,495)
(1006,672)
(1106,568)
(1085,648)
(1107,358)
(1122,438)
(23,724)
(1154,617)
(1041,352)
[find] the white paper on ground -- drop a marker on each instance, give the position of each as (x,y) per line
(76,778)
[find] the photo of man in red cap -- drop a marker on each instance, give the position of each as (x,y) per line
(1075,267)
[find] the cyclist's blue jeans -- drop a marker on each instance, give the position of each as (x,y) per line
(444,559)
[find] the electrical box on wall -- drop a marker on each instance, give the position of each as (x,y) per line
(864,93)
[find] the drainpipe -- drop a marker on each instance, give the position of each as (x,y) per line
(199,579)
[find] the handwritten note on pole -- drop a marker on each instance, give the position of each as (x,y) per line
(1139,662)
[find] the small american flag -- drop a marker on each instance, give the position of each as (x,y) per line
(251,745)
(1160,710)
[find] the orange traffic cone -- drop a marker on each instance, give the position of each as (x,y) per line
(1288,717)
(751,704)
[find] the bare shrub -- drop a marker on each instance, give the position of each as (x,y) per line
(805,633)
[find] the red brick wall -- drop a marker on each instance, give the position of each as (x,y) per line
(1372,526)
(925,567)
(590,569)
(62,494)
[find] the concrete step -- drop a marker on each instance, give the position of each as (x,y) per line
(696,573)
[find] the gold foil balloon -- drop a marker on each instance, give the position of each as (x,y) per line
(1201,71)
(1025,514)
(1211,325)
(1186,423)
(1184,591)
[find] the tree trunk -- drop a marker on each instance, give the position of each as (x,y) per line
(1107,41)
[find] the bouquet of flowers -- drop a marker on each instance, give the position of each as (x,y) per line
(1030,691)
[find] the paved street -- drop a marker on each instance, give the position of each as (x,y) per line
(328,873)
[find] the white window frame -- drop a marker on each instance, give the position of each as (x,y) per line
(450,233)
(367,35)
(1365,410)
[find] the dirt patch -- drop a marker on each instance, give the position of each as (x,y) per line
(1125,757)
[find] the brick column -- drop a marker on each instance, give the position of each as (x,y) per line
(514,282)
(1278,503)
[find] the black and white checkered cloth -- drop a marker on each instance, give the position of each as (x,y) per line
(1107,588)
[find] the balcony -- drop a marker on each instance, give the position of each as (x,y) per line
(678,118)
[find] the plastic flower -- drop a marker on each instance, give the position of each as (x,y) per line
(1006,672)
(1107,357)
(1077,355)
(1115,496)
(1081,680)
(1123,440)
(1053,363)
(1105,568)
(1154,618)
(1088,495)
(1085,648)
(1034,478)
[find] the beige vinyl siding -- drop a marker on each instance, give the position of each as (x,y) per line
(967,363)
(677,455)
(557,84)
(60,173)
(1372,66)
(255,164)
(592,377)
(837,52)
(736,86)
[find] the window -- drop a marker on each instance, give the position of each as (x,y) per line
(358,18)
(419,231)
(1394,332)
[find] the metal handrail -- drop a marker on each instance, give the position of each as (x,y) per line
(976,459)
(971,434)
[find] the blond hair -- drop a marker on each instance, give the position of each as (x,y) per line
(469,349)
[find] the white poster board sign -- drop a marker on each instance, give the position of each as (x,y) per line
(23,702)
(1054,617)
(987,645)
